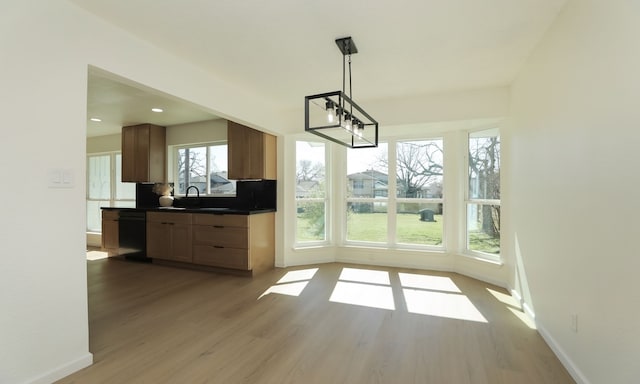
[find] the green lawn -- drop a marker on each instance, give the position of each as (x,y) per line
(410,230)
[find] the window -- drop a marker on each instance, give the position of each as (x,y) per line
(367,194)
(311,195)
(203,166)
(105,188)
(483,193)
(419,208)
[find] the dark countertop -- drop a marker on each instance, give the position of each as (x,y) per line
(215,211)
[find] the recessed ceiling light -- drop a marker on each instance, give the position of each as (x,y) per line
(96,119)
(157,110)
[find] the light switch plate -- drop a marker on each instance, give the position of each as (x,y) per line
(60,178)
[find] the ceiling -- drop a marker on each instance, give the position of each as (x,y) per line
(284,49)
(119,103)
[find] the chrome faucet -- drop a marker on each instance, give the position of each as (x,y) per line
(197,191)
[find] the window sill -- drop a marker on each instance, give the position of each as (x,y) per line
(482,259)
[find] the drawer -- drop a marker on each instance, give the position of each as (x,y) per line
(221,257)
(110,214)
(221,220)
(221,236)
(166,217)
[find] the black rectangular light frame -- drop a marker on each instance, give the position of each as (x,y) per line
(335,132)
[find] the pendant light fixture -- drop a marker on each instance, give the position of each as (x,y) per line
(335,116)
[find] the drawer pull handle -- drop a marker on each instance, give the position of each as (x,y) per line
(218,226)
(218,246)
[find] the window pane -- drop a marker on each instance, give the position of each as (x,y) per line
(123,190)
(218,179)
(484,165)
(94,215)
(367,172)
(310,169)
(367,221)
(419,223)
(483,228)
(310,221)
(192,169)
(99,174)
(310,184)
(419,169)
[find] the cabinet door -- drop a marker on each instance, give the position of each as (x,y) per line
(143,153)
(128,154)
(236,159)
(141,162)
(158,240)
(180,249)
(110,241)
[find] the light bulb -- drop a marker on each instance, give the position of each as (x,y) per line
(359,130)
(331,112)
(347,123)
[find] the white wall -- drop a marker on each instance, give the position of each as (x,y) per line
(46,49)
(571,164)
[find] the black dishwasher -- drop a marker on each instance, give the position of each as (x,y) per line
(132,233)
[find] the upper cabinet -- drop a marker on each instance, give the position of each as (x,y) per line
(144,153)
(252,154)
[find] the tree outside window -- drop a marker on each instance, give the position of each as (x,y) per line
(419,187)
(483,204)
(311,196)
(205,167)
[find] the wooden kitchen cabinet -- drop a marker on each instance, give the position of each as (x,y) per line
(241,242)
(110,229)
(144,151)
(251,153)
(169,236)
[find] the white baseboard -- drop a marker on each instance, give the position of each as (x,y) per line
(64,370)
(566,361)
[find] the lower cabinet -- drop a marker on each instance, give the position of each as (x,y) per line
(169,236)
(110,241)
(221,241)
(241,242)
(233,242)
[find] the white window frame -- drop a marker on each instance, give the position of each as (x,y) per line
(112,200)
(468,201)
(175,170)
(392,201)
(326,199)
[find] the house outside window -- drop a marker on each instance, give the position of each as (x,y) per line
(105,187)
(483,194)
(205,167)
(367,194)
(311,192)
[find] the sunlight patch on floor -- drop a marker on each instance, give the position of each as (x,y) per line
(432,283)
(514,306)
(289,289)
(365,276)
(96,255)
(449,305)
(367,295)
(528,321)
(504,298)
(292,283)
(299,275)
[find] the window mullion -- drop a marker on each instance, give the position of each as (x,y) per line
(112,179)
(392,193)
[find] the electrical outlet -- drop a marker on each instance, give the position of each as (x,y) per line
(574,322)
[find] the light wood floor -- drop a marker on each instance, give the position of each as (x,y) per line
(154,324)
